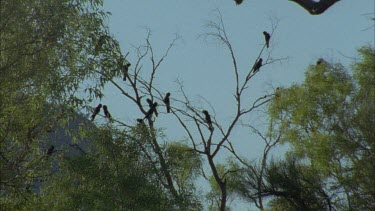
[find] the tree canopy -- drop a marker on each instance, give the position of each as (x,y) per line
(57,56)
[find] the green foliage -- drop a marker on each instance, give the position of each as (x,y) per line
(296,186)
(46,55)
(113,175)
(328,120)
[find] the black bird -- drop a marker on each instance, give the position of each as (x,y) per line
(257,65)
(96,111)
(50,150)
(151,111)
(126,70)
(140,121)
(99,44)
(106,112)
(238,2)
(167,102)
(208,120)
(150,104)
(278,92)
(149,101)
(267,37)
(320,61)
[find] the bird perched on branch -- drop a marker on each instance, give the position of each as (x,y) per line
(208,120)
(278,92)
(267,37)
(150,104)
(320,61)
(140,121)
(167,102)
(99,44)
(151,110)
(96,111)
(126,70)
(50,150)
(106,112)
(257,65)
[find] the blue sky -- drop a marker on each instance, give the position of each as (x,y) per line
(205,66)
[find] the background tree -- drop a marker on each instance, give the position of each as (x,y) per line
(46,53)
(326,119)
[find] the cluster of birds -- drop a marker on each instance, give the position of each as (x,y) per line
(97,111)
(152,109)
(258,64)
(153,105)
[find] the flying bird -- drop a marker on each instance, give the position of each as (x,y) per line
(167,102)
(257,65)
(96,111)
(126,70)
(151,111)
(315,7)
(238,2)
(106,112)
(267,37)
(208,120)
(150,104)
(50,150)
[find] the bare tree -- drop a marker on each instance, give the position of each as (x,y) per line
(211,143)
(207,136)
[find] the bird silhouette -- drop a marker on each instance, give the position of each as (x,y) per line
(150,104)
(149,101)
(99,44)
(257,65)
(106,112)
(140,121)
(167,102)
(151,111)
(208,120)
(96,111)
(315,7)
(50,150)
(267,37)
(126,70)
(320,61)
(278,92)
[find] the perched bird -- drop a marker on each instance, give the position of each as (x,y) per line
(208,120)
(167,102)
(96,111)
(320,61)
(99,44)
(278,92)
(267,37)
(50,150)
(140,121)
(126,70)
(257,65)
(151,110)
(106,112)
(150,104)
(149,101)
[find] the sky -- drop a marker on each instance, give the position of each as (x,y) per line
(205,65)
